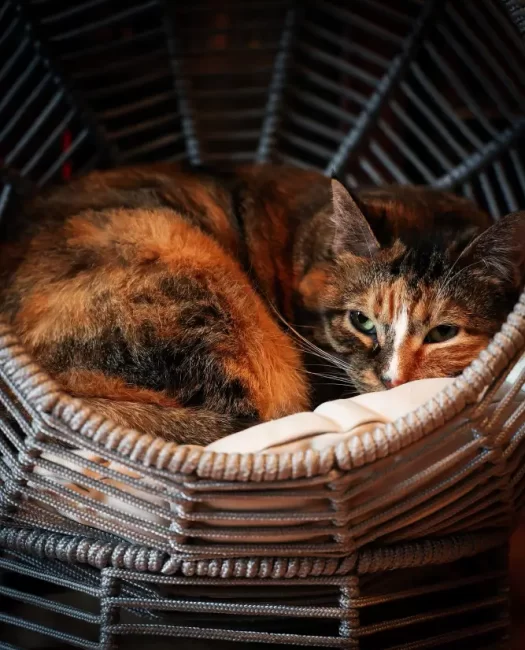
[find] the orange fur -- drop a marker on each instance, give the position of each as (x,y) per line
(90,383)
(134,251)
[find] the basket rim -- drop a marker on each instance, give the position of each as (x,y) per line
(123,555)
(45,400)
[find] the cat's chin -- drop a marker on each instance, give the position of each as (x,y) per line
(377,387)
(362,389)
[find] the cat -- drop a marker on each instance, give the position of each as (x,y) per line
(190,303)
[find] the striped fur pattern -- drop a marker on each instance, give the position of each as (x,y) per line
(189,304)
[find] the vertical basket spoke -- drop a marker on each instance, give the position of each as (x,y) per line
(276,89)
(388,83)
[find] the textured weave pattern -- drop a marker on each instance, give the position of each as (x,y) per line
(393,539)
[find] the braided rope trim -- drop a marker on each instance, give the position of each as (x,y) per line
(121,555)
(45,399)
(81,550)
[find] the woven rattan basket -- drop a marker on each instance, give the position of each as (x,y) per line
(116,538)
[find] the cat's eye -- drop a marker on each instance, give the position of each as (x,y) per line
(441,333)
(362,323)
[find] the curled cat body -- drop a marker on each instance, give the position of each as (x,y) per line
(189,303)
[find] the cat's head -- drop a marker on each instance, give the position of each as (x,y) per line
(407,292)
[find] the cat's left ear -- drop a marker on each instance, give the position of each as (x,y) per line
(352,232)
(499,251)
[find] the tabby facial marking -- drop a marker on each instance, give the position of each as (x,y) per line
(413,333)
(419,304)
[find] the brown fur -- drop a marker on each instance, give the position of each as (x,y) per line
(154,293)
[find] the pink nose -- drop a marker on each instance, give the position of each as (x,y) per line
(392,383)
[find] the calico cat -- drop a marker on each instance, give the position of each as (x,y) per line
(189,304)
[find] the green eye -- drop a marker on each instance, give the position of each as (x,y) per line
(362,323)
(441,333)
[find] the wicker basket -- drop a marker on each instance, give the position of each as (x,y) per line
(349,547)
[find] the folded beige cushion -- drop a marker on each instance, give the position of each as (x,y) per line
(332,422)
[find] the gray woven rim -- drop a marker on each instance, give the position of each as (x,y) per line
(80,549)
(43,397)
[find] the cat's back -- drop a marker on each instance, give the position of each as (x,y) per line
(113,241)
(119,226)
(136,193)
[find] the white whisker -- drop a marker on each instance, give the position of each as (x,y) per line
(310,346)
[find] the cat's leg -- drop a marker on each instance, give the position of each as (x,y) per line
(150,411)
(181,425)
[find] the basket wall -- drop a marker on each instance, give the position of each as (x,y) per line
(342,550)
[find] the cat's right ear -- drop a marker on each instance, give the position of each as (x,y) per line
(498,253)
(351,230)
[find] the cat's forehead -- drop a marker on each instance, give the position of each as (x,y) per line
(416,305)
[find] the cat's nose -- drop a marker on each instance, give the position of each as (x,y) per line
(390,382)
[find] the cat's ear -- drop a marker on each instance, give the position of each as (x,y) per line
(351,230)
(499,252)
